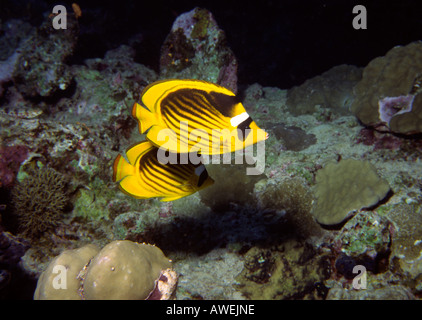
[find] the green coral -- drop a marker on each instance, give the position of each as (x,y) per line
(345,187)
(366,234)
(39,200)
(93,201)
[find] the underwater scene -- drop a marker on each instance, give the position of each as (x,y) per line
(210,150)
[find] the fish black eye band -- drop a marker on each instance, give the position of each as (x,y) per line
(221,139)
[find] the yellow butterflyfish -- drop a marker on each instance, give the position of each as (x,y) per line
(184,116)
(144,176)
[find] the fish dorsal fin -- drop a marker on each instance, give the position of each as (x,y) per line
(158,90)
(137,150)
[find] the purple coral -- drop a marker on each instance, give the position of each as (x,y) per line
(391,106)
(11,158)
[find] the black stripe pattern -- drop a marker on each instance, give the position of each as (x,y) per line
(165,178)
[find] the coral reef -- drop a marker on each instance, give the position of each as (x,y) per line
(366,240)
(196,49)
(39,200)
(294,200)
(41,69)
(293,270)
(388,96)
(332,90)
(121,270)
(345,187)
(293,138)
(406,240)
(12,248)
(247,237)
(391,292)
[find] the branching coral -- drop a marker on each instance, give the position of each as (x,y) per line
(39,200)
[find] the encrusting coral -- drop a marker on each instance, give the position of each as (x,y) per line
(121,270)
(39,200)
(344,187)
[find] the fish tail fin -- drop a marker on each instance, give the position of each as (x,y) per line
(146,119)
(121,168)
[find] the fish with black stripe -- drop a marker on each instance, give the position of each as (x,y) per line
(186,116)
(144,176)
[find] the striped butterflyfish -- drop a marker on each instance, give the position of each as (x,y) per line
(144,176)
(184,116)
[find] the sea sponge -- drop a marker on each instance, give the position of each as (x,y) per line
(39,200)
(344,187)
(121,270)
(388,96)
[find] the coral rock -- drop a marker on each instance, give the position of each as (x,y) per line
(41,68)
(196,48)
(388,96)
(333,89)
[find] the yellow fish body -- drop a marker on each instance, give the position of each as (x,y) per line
(145,177)
(185,116)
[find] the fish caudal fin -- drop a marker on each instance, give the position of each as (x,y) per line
(146,119)
(122,169)
(124,172)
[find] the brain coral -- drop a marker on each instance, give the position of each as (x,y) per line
(74,261)
(389,95)
(344,187)
(121,270)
